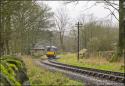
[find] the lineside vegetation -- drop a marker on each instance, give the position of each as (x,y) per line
(92,62)
(41,76)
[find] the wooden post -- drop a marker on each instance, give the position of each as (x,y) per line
(78,42)
(78,25)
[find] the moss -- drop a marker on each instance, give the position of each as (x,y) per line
(14,60)
(4,81)
(17,63)
(12,67)
(8,68)
(10,75)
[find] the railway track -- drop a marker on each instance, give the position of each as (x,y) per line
(92,69)
(101,74)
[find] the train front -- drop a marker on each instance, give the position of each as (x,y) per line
(51,52)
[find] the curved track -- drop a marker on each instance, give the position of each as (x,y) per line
(101,74)
(92,69)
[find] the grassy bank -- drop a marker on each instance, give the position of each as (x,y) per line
(41,76)
(93,62)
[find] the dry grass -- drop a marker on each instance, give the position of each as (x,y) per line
(40,76)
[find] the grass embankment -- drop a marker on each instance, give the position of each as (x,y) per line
(93,62)
(41,76)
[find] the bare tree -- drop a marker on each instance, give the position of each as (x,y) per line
(61,21)
(120,8)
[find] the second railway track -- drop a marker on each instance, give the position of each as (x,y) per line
(102,74)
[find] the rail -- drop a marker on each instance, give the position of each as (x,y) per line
(102,74)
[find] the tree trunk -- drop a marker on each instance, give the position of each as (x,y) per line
(7,47)
(1,30)
(7,34)
(121,44)
(1,45)
(61,42)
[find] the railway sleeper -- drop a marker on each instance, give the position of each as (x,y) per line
(83,72)
(90,73)
(62,67)
(114,78)
(72,69)
(69,68)
(104,76)
(101,75)
(107,77)
(66,68)
(96,74)
(78,70)
(93,74)
(122,80)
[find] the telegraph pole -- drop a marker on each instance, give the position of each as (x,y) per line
(124,28)
(78,25)
(78,41)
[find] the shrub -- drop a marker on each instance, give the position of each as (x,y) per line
(114,58)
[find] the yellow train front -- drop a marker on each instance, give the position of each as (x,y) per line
(51,52)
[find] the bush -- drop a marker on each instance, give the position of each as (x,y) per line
(114,58)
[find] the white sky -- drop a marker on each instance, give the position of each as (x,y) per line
(75,10)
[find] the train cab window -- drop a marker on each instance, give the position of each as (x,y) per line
(50,49)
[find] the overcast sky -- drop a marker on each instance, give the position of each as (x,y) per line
(75,10)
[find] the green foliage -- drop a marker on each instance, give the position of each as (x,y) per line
(10,66)
(14,61)
(22,25)
(10,75)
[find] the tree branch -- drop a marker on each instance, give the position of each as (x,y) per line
(110,4)
(112,12)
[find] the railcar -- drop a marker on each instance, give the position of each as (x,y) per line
(51,52)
